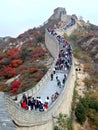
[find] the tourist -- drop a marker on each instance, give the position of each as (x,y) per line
(45,106)
(51,77)
(47,100)
(24,105)
(41,108)
(59,83)
(53,70)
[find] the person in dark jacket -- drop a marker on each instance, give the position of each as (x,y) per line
(41,108)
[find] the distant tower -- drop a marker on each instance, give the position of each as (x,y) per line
(58,13)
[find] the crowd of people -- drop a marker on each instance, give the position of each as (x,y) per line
(31,103)
(71,23)
(64,60)
(63,64)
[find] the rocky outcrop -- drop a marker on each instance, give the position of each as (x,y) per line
(91,47)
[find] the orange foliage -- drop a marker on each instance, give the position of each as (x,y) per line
(33,70)
(14,52)
(16,63)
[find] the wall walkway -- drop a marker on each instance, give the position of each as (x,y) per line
(44,120)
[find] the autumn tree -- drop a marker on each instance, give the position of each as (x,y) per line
(16,63)
(14,53)
(33,70)
(15,86)
(9,72)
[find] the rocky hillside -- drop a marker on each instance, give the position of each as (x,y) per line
(23,50)
(84,41)
(85,38)
(23,61)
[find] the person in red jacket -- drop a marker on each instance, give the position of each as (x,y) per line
(24,105)
(46,106)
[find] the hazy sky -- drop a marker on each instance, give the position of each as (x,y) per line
(17,16)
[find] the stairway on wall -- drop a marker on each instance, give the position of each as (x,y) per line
(69,31)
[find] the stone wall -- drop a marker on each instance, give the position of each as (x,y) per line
(35,90)
(44,120)
(51,44)
(69,31)
(32,118)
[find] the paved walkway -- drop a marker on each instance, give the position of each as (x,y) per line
(5,119)
(51,87)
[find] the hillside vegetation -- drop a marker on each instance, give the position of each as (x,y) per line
(23,61)
(84,41)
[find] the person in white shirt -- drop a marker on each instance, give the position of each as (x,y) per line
(47,100)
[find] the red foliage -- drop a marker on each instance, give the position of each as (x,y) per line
(15,86)
(33,70)
(14,52)
(16,63)
(9,72)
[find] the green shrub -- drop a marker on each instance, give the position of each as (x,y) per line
(73,37)
(80,113)
(93,117)
(77,53)
(40,38)
(61,122)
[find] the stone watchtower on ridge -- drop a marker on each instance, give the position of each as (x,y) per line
(60,14)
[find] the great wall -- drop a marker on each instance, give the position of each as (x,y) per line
(44,120)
